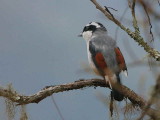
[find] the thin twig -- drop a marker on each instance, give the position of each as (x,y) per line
(149,20)
(150,9)
(112,8)
(135,24)
(57,108)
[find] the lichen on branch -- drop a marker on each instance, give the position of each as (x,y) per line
(135,35)
(49,90)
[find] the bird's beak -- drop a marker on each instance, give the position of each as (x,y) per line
(80,35)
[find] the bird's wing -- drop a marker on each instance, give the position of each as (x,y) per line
(100,61)
(103,56)
(121,61)
(97,58)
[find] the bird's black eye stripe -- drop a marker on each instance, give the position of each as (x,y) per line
(89,28)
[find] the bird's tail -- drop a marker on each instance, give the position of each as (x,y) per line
(114,93)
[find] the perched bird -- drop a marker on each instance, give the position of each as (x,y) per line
(104,56)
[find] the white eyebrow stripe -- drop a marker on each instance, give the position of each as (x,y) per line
(95,24)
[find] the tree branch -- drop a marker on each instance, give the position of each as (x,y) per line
(49,90)
(137,37)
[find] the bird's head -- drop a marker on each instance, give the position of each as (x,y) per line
(92,28)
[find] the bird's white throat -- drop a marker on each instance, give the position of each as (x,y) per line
(87,35)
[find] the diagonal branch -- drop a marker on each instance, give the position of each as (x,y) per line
(138,38)
(49,90)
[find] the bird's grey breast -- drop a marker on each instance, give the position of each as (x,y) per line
(105,45)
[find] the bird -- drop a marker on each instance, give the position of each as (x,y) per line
(104,56)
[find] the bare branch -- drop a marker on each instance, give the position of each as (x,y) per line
(49,90)
(153,52)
